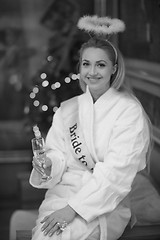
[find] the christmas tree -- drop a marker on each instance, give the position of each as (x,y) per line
(56,81)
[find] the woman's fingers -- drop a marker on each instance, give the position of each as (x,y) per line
(37,162)
(44,219)
(47,163)
(55,229)
(51,225)
(50,228)
(38,169)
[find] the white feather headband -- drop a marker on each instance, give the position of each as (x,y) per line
(100,25)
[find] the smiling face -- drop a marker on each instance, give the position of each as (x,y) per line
(95,70)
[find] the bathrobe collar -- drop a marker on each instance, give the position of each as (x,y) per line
(87,110)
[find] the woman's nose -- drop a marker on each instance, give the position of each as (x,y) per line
(92,70)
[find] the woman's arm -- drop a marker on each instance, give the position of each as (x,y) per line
(55,152)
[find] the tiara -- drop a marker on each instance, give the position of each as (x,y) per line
(100,25)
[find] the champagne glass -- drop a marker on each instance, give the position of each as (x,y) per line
(38,148)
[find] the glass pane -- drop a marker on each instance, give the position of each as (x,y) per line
(142,36)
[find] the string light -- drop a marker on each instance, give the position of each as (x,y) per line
(67,80)
(32,95)
(53,86)
(45,83)
(74,76)
(49,58)
(44,108)
(36,103)
(35,90)
(55,109)
(43,75)
(26,110)
(57,84)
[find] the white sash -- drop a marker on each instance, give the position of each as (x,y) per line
(74,134)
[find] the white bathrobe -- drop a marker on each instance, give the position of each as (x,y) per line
(117,137)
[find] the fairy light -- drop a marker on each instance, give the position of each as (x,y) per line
(36,103)
(53,86)
(49,58)
(44,108)
(45,83)
(35,90)
(57,84)
(74,76)
(67,80)
(32,95)
(26,110)
(55,109)
(43,75)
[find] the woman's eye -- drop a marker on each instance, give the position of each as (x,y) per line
(101,65)
(85,64)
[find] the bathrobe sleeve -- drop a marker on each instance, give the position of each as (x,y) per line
(112,178)
(55,149)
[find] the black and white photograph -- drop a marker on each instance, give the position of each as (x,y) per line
(80,120)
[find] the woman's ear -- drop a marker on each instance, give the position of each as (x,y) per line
(114,69)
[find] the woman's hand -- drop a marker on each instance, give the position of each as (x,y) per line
(57,221)
(42,167)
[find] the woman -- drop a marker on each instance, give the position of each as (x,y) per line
(97,143)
